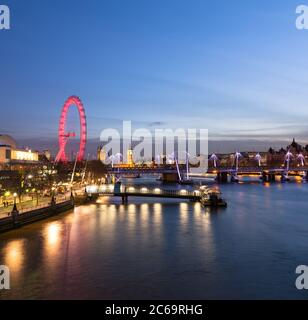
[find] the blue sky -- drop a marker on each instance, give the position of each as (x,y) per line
(238,68)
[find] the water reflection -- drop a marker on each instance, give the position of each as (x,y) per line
(184,215)
(144,208)
(165,249)
(132,208)
(157,222)
(52,236)
(132,211)
(157,208)
(14,256)
(197,208)
(144,217)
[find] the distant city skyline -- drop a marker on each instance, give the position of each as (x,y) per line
(237,69)
(217,146)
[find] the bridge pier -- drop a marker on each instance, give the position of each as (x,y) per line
(222,177)
(124,199)
(268,177)
(170,177)
(272,177)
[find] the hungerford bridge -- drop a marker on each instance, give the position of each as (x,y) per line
(267,173)
(181,173)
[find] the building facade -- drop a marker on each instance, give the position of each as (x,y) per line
(12,157)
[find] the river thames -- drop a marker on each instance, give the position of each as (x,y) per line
(165,249)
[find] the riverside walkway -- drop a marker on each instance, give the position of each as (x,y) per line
(30,205)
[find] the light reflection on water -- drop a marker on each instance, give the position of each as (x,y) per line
(52,237)
(14,256)
(166,249)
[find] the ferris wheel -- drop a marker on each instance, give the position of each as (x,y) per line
(64,136)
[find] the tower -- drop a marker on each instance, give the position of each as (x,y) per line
(101,154)
(130,160)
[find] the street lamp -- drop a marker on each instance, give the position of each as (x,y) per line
(15,210)
(53,200)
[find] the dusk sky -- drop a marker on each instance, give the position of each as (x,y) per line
(237,68)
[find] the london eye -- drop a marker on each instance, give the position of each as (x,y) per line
(64,135)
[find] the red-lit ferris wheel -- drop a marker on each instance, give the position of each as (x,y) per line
(64,136)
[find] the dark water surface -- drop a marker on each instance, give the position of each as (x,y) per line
(166,249)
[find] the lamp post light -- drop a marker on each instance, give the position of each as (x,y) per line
(53,200)
(15,210)
(7,194)
(15,196)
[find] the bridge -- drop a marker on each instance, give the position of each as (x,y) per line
(267,173)
(290,165)
(180,172)
(170,173)
(256,170)
(124,192)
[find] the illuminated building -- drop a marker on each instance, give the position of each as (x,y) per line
(18,155)
(10,155)
(101,154)
(130,159)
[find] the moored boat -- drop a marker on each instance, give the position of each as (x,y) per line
(213,199)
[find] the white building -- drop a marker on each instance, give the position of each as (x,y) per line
(11,155)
